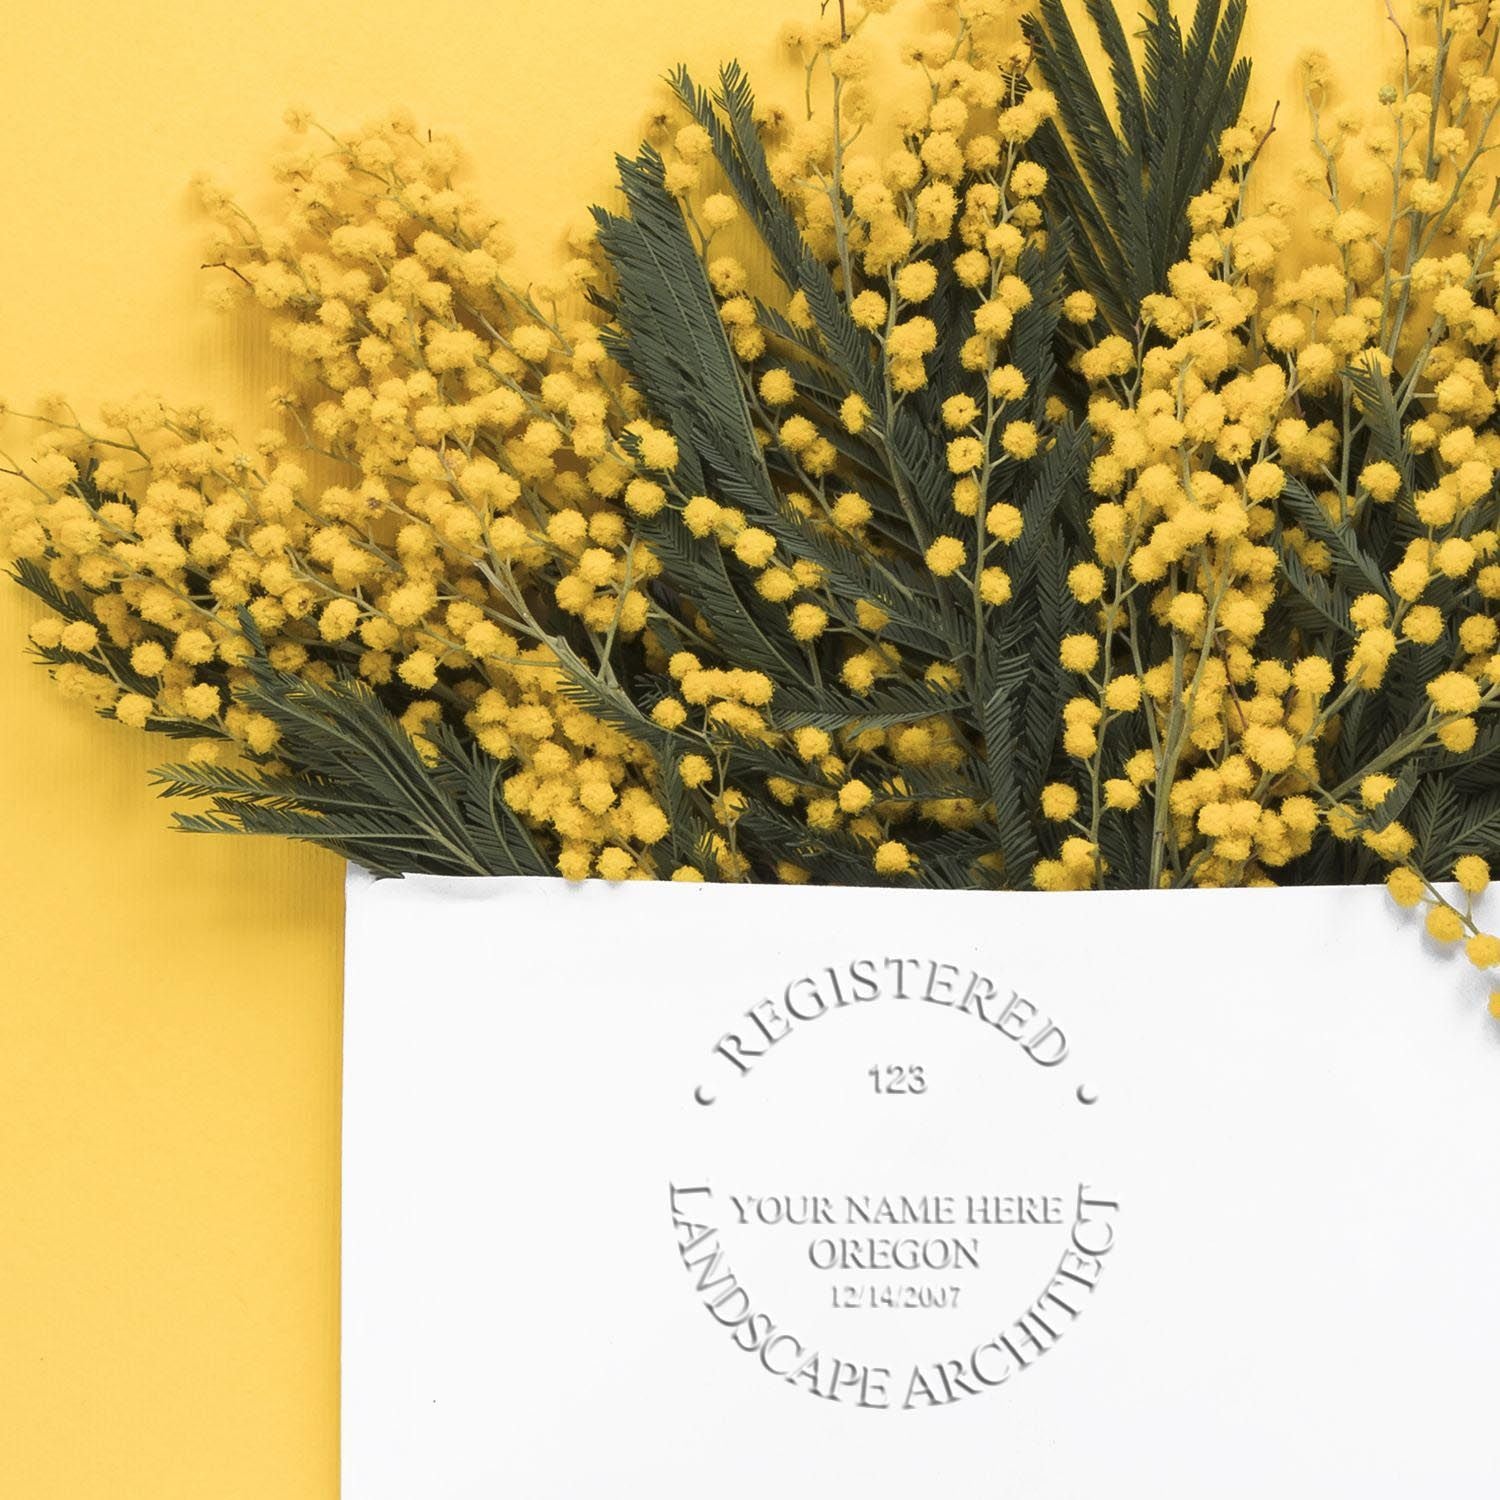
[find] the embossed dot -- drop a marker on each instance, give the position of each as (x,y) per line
(1086,1095)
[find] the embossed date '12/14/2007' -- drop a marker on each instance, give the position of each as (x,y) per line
(897,1298)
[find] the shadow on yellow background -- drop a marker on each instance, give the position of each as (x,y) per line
(169,1027)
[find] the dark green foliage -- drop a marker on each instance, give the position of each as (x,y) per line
(1453,816)
(672,342)
(360,787)
(1124,183)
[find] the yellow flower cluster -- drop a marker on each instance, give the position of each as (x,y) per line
(1447,921)
(777,622)
(470,471)
(460,448)
(957,191)
(1274,414)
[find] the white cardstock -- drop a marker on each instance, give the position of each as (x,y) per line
(754,1193)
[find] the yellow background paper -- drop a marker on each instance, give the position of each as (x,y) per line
(169,1006)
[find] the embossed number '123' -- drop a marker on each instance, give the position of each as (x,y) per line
(893,1078)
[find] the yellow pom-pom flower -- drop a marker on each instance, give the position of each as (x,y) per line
(1079,653)
(894,858)
(946,556)
(1059,801)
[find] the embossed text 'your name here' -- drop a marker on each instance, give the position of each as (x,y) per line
(864,980)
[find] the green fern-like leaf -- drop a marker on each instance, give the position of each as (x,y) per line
(1122,184)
